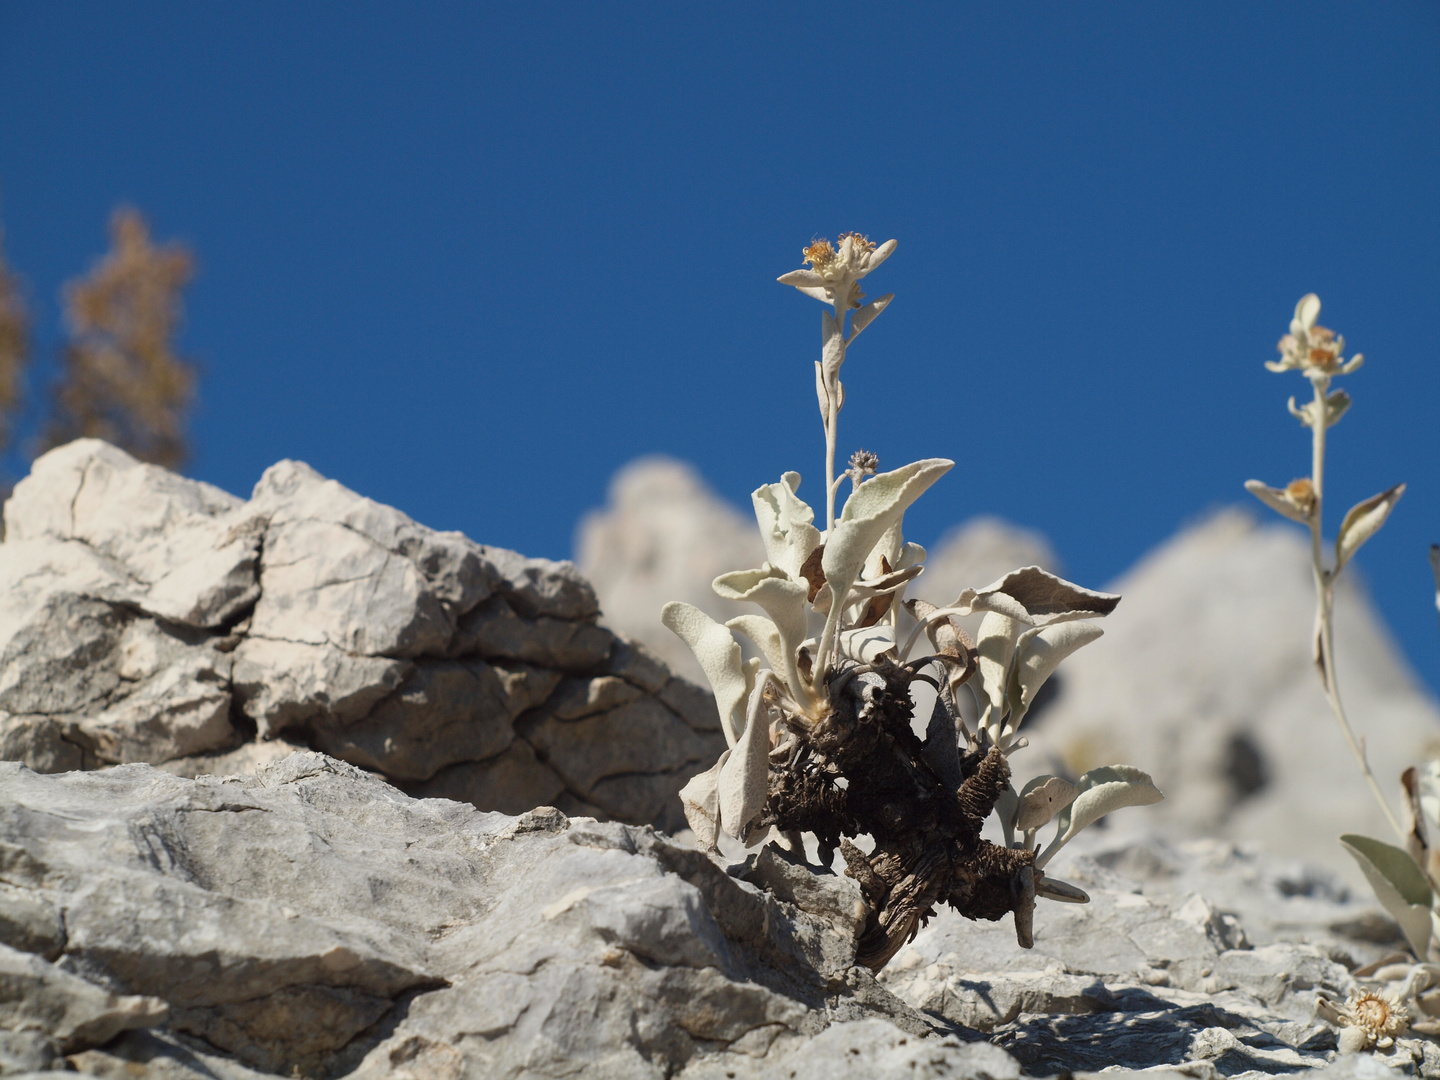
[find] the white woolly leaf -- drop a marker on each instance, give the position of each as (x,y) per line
(994,649)
(762,632)
(867,644)
(784,600)
(700,799)
(1336,406)
(1307,310)
(1364,521)
(1277,500)
(870,510)
(745,777)
(1037,654)
(1041,799)
(880,254)
(1100,792)
(719,656)
(866,315)
(1037,596)
(802,279)
(1399,885)
(785,522)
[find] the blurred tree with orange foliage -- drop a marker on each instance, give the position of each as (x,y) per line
(122,380)
(14,348)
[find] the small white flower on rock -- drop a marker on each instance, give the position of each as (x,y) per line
(1371,1020)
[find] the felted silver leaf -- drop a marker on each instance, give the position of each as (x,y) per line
(1041,799)
(1038,653)
(867,644)
(1364,521)
(1044,597)
(1100,792)
(786,602)
(866,315)
(1278,500)
(719,656)
(700,799)
(1398,884)
(745,777)
(870,510)
(786,524)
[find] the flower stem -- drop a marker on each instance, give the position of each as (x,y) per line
(830,424)
(1325,606)
(832,420)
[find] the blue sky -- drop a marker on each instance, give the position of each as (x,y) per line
(470,259)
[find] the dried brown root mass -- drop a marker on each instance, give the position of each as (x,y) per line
(863,770)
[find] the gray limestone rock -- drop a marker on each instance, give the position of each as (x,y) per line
(146,617)
(311,919)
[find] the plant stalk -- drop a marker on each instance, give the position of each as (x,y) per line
(1325,605)
(832,418)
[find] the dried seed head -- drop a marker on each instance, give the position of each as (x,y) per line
(864,462)
(1315,350)
(1379,1016)
(836,269)
(1319,348)
(819,255)
(1301,493)
(860,244)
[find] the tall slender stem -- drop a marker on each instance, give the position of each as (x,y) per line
(830,423)
(832,419)
(1325,605)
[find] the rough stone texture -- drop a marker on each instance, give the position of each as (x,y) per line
(312,917)
(146,617)
(1153,972)
(312,920)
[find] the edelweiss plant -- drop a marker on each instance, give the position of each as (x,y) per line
(819,726)
(1403,878)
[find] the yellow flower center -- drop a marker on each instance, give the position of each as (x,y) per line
(820,255)
(1377,1015)
(858,242)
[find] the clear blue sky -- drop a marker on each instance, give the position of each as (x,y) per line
(470,259)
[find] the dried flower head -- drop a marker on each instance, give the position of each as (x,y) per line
(835,270)
(1375,1019)
(1296,500)
(1316,350)
(864,462)
(1301,494)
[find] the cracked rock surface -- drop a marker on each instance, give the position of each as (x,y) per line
(312,920)
(149,618)
(1197,955)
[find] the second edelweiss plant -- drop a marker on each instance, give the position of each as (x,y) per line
(819,725)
